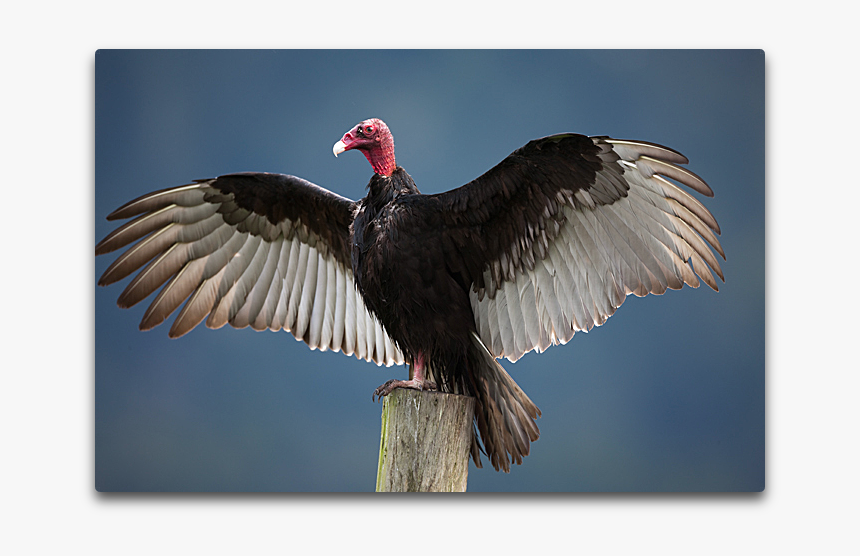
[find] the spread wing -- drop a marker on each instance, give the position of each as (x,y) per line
(251,249)
(555,236)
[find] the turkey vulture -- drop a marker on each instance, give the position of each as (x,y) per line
(548,242)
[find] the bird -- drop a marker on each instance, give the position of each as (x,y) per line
(548,242)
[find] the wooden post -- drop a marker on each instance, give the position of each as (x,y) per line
(426,438)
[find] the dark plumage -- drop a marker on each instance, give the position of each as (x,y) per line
(548,242)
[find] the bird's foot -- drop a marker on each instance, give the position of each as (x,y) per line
(414,384)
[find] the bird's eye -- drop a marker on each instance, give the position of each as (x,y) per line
(368,129)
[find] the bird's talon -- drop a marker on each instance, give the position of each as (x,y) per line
(383,390)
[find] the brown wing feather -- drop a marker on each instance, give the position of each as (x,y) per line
(552,239)
(505,219)
(250,249)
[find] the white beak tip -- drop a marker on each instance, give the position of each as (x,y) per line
(338,148)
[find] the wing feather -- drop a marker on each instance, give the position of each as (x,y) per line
(260,250)
(369,335)
(319,304)
(492,324)
(578,224)
(240,271)
(272,297)
(296,282)
(360,328)
(260,288)
(506,329)
(327,324)
(306,299)
(515,314)
(339,310)
(350,323)
(288,271)
(190,195)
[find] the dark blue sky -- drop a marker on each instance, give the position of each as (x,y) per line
(667,395)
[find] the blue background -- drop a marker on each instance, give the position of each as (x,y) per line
(668,395)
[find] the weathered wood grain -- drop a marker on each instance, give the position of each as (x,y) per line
(425,442)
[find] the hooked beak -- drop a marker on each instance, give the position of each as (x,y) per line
(338,148)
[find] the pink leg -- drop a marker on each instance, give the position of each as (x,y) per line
(417,382)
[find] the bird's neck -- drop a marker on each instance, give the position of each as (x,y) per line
(383,189)
(382,156)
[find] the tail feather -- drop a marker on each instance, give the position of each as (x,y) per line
(504,414)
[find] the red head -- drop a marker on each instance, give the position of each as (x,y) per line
(372,138)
